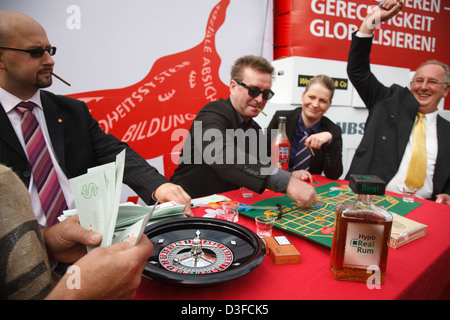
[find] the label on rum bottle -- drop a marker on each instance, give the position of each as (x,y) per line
(363,247)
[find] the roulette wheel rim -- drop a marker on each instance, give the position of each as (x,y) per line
(247,248)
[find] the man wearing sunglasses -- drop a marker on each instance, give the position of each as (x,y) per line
(74,140)
(214,161)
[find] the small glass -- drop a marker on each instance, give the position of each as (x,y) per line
(246,193)
(230,211)
(409,194)
(264,225)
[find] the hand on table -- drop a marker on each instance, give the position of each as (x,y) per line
(301,192)
(303,175)
(443,198)
(172,192)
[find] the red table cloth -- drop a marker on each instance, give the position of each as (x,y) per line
(418,270)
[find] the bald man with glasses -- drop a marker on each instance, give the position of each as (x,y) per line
(74,141)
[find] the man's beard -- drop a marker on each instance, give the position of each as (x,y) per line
(43,82)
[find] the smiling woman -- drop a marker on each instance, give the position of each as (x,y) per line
(316,142)
(316,99)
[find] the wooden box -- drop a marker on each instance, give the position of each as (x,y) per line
(281,251)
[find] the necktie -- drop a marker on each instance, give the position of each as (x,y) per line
(50,193)
(417,168)
(303,155)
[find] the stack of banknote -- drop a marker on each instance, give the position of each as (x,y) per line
(97,196)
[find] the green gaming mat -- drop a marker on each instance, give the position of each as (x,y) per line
(316,223)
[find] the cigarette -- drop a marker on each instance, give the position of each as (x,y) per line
(312,152)
(261,111)
(61,79)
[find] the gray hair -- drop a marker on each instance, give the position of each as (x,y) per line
(441,64)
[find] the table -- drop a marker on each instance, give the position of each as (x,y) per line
(418,270)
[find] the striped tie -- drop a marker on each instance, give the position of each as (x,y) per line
(50,193)
(303,155)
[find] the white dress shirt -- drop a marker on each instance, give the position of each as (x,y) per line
(9,103)
(398,181)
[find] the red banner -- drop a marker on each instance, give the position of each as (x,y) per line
(323,28)
(146,114)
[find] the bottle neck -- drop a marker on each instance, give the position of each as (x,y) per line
(282,128)
(365,198)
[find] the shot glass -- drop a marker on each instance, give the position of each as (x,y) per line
(409,194)
(246,193)
(230,211)
(264,225)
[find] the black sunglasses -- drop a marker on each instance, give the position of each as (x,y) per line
(255,91)
(35,53)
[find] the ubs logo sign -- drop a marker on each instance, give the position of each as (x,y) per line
(351,128)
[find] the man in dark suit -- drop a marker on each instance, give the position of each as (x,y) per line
(325,138)
(74,139)
(222,151)
(386,147)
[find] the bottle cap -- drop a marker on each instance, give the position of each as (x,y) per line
(367,184)
(281,119)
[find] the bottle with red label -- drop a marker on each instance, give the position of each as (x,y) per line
(281,147)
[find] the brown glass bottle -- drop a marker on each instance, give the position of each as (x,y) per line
(361,236)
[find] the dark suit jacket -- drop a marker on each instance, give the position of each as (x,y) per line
(79,144)
(328,159)
(199,177)
(392,112)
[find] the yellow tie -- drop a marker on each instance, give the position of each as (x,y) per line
(417,169)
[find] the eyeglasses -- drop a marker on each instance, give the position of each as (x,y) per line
(35,53)
(255,91)
(430,82)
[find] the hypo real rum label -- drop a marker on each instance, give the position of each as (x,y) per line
(363,245)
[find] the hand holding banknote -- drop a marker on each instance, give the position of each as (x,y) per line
(66,241)
(112,272)
(97,196)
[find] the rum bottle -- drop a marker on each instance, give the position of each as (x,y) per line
(281,146)
(361,236)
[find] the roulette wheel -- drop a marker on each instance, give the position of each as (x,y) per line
(201,251)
